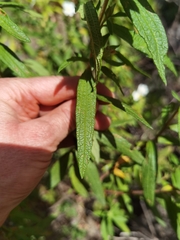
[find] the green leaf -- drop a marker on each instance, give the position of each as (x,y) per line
(176,96)
(109,73)
(55,174)
(58,169)
(104,229)
(173,211)
(149,27)
(37,68)
(134,114)
(120,144)
(11,4)
(68,61)
(178,125)
(76,182)
(120,31)
(93,179)
(10,59)
(124,107)
(85,115)
(11,27)
(170,65)
(149,172)
(95,35)
(128,63)
(93,26)
(175,177)
(95,150)
(115,102)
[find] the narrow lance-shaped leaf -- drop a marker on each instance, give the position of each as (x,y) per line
(149,172)
(11,4)
(123,106)
(11,27)
(70,60)
(76,182)
(150,28)
(120,144)
(128,63)
(85,114)
(7,56)
(93,179)
(95,35)
(179,123)
(168,63)
(176,95)
(136,115)
(109,73)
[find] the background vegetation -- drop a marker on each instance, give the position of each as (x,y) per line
(113,205)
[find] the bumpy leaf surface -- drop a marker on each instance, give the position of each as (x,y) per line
(149,27)
(85,114)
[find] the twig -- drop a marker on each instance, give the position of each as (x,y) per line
(148,217)
(103,9)
(166,125)
(138,192)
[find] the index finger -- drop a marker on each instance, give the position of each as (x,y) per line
(50,91)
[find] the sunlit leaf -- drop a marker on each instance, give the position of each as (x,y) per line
(59,169)
(175,176)
(104,230)
(76,182)
(37,68)
(120,144)
(11,4)
(134,114)
(11,27)
(70,60)
(55,174)
(11,61)
(149,172)
(95,150)
(93,179)
(150,28)
(123,106)
(170,65)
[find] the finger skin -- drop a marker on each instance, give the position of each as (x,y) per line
(37,114)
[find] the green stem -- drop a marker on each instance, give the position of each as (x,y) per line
(166,125)
(103,9)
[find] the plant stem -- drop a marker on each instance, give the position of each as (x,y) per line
(103,9)
(166,125)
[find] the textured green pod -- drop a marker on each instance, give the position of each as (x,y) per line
(85,114)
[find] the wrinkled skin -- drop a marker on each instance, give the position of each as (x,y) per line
(37,114)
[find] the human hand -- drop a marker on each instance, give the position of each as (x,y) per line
(37,114)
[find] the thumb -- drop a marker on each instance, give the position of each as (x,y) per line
(48,131)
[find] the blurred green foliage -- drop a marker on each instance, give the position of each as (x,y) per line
(63,204)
